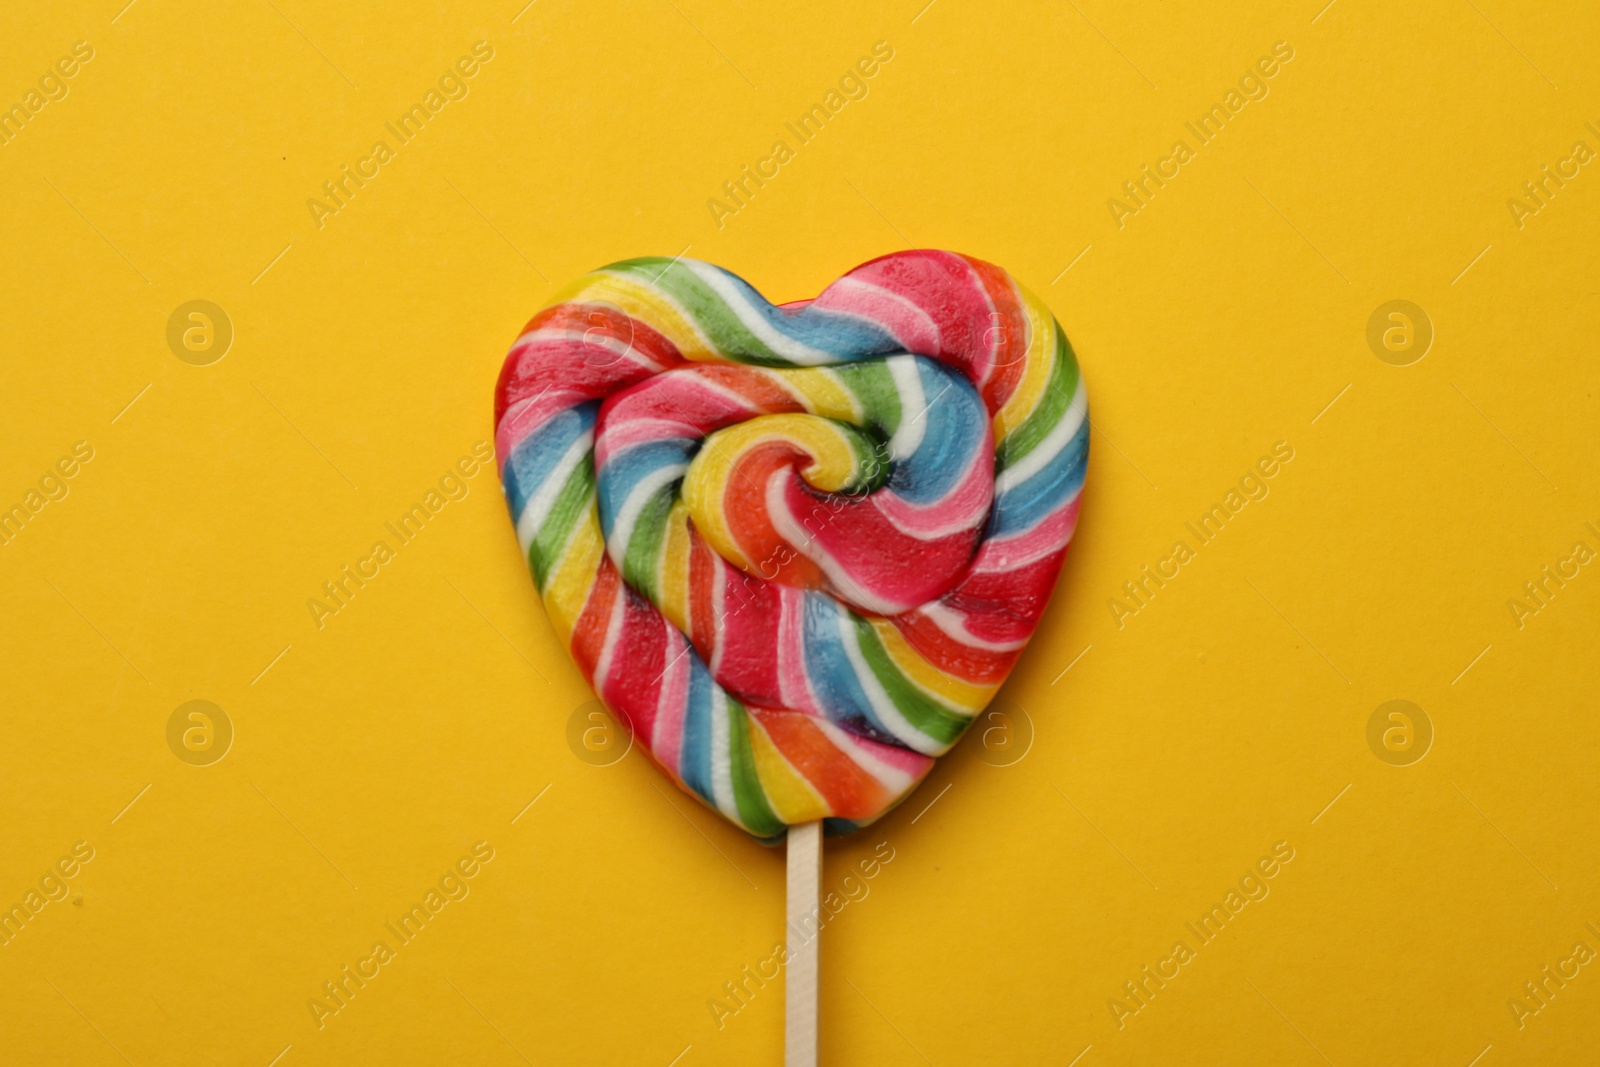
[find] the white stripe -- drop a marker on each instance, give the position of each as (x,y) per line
(893,778)
(537,509)
(721,760)
(887,713)
(628,514)
(954,625)
(602,667)
(778,342)
(913,407)
(1050,447)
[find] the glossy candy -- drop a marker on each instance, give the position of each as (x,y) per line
(796,549)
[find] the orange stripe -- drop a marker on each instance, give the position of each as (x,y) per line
(589,636)
(851,792)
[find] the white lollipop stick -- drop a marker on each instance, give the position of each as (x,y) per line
(800,982)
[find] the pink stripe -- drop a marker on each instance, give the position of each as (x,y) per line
(667,738)
(965,506)
(1050,535)
(524,418)
(901,759)
(910,325)
(792,679)
(615,436)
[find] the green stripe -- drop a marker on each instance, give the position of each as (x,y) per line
(1057,396)
(711,313)
(630,266)
(576,497)
(640,563)
(921,711)
(754,811)
(865,474)
(875,390)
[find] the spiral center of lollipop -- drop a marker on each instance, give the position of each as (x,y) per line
(871,482)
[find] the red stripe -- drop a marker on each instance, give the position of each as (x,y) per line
(702,606)
(589,635)
(748,665)
(975,665)
(1006,606)
(590,367)
(633,684)
(1007,335)
(850,792)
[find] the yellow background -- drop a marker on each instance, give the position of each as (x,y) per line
(1224,716)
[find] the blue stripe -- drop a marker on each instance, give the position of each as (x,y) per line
(845,337)
(535,456)
(625,470)
(1022,506)
(694,759)
(954,427)
(833,676)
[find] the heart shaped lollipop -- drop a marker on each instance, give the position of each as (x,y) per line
(796,549)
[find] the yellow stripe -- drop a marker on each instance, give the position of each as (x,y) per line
(821,392)
(675,568)
(704,486)
(1038,362)
(647,305)
(833,468)
(792,798)
(941,684)
(568,588)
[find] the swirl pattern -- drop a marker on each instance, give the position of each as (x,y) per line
(795,548)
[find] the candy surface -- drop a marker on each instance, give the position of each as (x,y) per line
(795,549)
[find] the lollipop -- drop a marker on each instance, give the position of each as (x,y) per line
(795,549)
